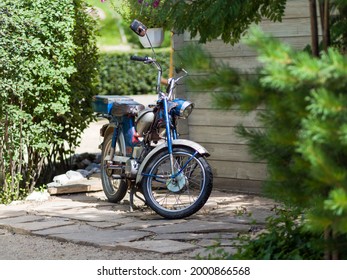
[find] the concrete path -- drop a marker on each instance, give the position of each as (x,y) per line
(89,219)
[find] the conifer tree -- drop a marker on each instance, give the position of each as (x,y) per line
(304,127)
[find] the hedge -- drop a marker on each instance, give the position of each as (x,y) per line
(48,62)
(120,76)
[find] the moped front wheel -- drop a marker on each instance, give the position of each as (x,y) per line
(184,195)
(115,189)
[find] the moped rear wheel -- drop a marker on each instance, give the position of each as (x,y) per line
(114,189)
(187,193)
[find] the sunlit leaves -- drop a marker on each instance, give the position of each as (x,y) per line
(47,67)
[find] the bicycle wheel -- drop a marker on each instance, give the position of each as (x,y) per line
(184,195)
(114,189)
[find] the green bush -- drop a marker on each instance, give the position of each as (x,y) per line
(48,69)
(283,238)
(121,76)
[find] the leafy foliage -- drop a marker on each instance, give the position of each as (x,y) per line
(109,23)
(284,238)
(47,66)
(121,76)
(149,12)
(213,18)
(339,24)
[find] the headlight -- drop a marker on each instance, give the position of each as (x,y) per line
(183,108)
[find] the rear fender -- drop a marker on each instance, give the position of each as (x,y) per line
(108,129)
(175,143)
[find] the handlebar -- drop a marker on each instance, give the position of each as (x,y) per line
(139,58)
(171,83)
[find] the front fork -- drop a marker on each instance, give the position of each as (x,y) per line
(173,135)
(168,136)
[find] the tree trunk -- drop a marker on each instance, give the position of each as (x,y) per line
(324,12)
(326,26)
(314,27)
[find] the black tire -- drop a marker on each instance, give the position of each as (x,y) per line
(186,196)
(114,189)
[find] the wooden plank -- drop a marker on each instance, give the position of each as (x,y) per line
(204,100)
(213,134)
(243,64)
(218,49)
(296,9)
(244,59)
(177,41)
(291,27)
(239,170)
(180,90)
(210,117)
(238,186)
(229,152)
(92,185)
(183,128)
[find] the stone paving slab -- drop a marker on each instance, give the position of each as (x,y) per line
(196,236)
(200,226)
(86,214)
(147,224)
(214,242)
(162,246)
(4,213)
(84,234)
(21,219)
(104,224)
(57,205)
(259,216)
(41,224)
(116,221)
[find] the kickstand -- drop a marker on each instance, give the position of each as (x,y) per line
(133,192)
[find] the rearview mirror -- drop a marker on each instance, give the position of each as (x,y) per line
(138,27)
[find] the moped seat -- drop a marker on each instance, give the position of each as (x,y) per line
(126,107)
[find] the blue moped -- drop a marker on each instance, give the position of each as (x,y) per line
(142,152)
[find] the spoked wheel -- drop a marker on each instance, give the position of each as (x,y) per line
(114,189)
(184,195)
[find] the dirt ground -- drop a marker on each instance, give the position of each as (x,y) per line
(27,247)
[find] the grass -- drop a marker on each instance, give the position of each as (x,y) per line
(113,31)
(110,28)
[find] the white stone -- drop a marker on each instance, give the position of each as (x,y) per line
(74,175)
(38,196)
(61,179)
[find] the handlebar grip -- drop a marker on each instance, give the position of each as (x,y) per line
(139,58)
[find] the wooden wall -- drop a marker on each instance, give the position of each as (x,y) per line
(233,167)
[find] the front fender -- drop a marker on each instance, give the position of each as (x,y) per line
(178,142)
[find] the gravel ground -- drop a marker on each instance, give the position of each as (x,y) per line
(28,247)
